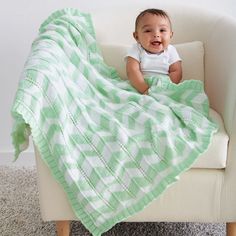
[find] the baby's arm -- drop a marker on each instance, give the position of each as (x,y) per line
(135,75)
(175,72)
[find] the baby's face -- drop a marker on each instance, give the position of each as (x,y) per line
(153,33)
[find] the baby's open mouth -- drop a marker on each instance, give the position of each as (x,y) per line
(155,43)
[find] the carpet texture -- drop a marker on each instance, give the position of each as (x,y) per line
(20,213)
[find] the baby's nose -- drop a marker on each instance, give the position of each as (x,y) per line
(156,34)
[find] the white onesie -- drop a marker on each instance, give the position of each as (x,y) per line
(154,63)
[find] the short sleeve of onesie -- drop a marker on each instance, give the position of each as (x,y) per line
(134,52)
(173,55)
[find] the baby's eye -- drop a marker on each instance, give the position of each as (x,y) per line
(163,30)
(147,31)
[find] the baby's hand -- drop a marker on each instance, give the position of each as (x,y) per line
(146,92)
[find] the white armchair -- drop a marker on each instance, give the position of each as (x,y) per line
(206,192)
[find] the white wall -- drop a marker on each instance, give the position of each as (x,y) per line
(19,23)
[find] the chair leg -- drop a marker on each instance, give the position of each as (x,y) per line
(63,228)
(231,228)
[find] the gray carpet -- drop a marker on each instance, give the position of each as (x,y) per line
(20,214)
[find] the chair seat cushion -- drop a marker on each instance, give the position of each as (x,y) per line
(216,155)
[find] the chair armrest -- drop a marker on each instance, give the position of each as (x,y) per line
(220,70)
(220,82)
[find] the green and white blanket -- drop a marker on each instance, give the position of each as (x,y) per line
(112,149)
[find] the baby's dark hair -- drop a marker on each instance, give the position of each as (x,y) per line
(153,11)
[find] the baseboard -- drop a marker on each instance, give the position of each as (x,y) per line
(26,158)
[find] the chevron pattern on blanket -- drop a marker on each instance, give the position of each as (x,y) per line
(112,149)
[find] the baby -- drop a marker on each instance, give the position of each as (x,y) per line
(152,54)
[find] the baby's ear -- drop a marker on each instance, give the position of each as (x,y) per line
(171,34)
(135,35)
